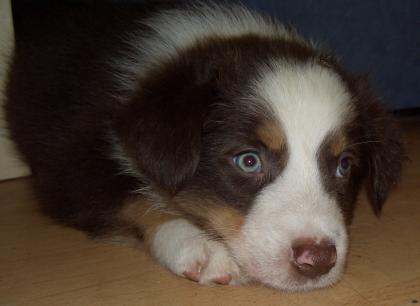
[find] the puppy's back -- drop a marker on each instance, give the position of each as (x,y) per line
(60,103)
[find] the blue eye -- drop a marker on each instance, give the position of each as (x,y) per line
(344,165)
(248,162)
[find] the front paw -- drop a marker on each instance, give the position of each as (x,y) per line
(188,252)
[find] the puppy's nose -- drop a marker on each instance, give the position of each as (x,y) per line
(312,259)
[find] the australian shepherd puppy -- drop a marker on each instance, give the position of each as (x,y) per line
(230,146)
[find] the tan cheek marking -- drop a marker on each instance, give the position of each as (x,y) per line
(226,221)
(338,144)
(271,135)
(143,214)
(215,216)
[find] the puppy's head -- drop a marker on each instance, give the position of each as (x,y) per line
(267,155)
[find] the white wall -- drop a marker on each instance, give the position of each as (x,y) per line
(10,166)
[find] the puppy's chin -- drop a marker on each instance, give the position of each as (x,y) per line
(280,274)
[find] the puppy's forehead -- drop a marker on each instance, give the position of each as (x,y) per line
(309,101)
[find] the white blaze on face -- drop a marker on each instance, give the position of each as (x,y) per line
(309,101)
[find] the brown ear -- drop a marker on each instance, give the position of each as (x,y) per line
(161,133)
(382,146)
(385,159)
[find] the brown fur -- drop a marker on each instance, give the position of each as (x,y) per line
(146,216)
(219,218)
(338,144)
(271,135)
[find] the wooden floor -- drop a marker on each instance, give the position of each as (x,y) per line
(45,264)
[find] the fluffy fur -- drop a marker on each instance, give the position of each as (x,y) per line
(133,121)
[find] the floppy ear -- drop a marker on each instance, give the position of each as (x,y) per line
(383,147)
(385,159)
(161,134)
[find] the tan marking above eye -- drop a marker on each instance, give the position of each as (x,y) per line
(338,144)
(271,134)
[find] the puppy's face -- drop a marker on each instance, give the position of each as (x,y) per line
(282,165)
(274,171)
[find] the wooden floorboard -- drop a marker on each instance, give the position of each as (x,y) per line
(42,263)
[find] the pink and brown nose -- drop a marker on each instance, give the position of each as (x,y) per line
(312,259)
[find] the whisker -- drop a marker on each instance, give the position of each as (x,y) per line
(364,142)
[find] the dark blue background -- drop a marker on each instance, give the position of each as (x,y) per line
(381,38)
(378,37)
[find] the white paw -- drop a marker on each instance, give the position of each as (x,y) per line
(186,251)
